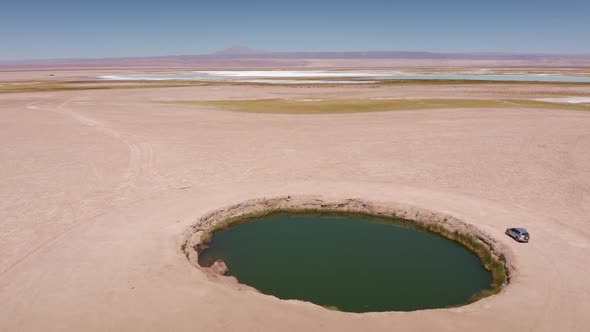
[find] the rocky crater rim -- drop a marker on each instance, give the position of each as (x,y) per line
(495,256)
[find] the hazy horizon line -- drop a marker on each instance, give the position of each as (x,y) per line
(224,54)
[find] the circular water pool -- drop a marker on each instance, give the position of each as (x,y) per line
(349,262)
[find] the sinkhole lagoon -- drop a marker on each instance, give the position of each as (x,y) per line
(349,262)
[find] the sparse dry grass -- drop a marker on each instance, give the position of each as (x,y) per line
(49,86)
(474,82)
(54,85)
(335,106)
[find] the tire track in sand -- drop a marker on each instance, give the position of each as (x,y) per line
(141,162)
(141,155)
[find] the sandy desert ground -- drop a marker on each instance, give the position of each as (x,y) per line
(98,187)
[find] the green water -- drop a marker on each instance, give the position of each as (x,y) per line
(352,262)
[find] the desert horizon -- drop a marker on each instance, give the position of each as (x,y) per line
(246,189)
(244,57)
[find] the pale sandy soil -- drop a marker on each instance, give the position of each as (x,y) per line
(98,187)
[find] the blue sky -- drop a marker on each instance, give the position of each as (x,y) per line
(35,29)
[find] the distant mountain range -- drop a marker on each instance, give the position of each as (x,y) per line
(244,52)
(242,56)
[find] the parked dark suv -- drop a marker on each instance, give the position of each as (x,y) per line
(519,234)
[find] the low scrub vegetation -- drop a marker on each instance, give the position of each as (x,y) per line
(336,106)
